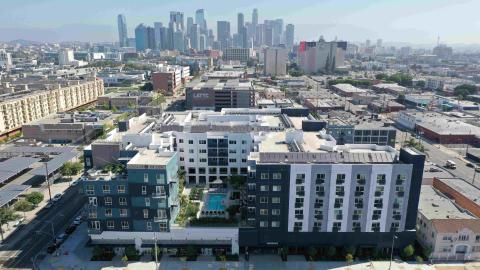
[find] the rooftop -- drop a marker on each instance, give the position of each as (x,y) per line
(147,157)
(231,84)
(464,188)
(434,205)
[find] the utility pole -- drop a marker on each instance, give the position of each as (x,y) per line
(48,181)
(156,252)
(391,251)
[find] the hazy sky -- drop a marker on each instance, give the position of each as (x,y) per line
(414,21)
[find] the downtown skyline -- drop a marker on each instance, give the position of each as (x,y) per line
(346,20)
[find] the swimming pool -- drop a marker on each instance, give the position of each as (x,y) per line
(215,202)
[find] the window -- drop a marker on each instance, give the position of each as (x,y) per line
(232,160)
(275,224)
(356,227)
(160,178)
(145,213)
(125,225)
(108,200)
(149,226)
(317,226)
(232,142)
(318,214)
(180,141)
(320,179)
(340,178)
(121,189)
(160,190)
(275,212)
(144,190)
(191,151)
(361,178)
(263,199)
(297,226)
(145,177)
(203,160)
(202,151)
(463,237)
(161,213)
(244,142)
(110,224)
(147,201)
(394,227)
(263,224)
(90,190)
(276,188)
(275,199)
(190,141)
(264,188)
(163,226)
(191,160)
(276,176)
(338,214)
(123,212)
(264,176)
(300,179)
(263,212)
(376,214)
(108,212)
(381,179)
(106,189)
(122,201)
(244,160)
(376,226)
(337,226)
(202,142)
(232,151)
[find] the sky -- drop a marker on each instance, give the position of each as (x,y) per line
(409,21)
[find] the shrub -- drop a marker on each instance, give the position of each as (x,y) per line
(419,259)
(408,252)
(331,252)
(349,258)
(34,198)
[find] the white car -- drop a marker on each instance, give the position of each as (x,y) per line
(57,197)
(75,182)
(49,204)
(77,220)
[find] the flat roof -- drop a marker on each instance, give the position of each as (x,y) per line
(11,192)
(434,205)
(150,157)
(466,189)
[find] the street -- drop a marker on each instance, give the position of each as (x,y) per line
(439,154)
(19,249)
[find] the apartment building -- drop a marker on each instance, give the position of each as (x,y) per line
(445,226)
(218,94)
(141,199)
(169,79)
(305,190)
(22,107)
(237,54)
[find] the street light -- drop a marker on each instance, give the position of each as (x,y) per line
(391,251)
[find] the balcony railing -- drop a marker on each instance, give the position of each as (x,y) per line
(321,193)
(299,216)
(340,182)
(381,182)
(396,205)
(298,205)
(340,193)
(400,193)
(319,181)
(159,219)
(337,205)
(158,195)
(378,193)
(318,205)
(397,217)
(399,182)
(359,205)
(358,193)
(356,217)
(339,217)
(300,193)
(318,216)
(378,205)
(375,217)
(361,182)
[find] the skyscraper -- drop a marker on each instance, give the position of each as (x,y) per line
(160,36)
(255,17)
(141,37)
(240,22)
(195,36)
(176,18)
(254,26)
(223,33)
(122,30)
(289,35)
(200,20)
(277,27)
(189,25)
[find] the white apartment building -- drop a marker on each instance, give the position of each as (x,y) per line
(16,110)
(65,57)
(5,59)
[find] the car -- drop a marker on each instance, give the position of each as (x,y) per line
(57,197)
(77,220)
(75,182)
(70,229)
(469,164)
(433,169)
(60,238)
(51,248)
(477,168)
(49,204)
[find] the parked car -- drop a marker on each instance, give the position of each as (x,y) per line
(477,168)
(57,197)
(70,229)
(469,164)
(51,248)
(75,182)
(60,238)
(49,204)
(77,220)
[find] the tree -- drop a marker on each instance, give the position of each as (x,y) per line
(349,258)
(71,168)
(23,206)
(34,198)
(237,181)
(381,76)
(312,252)
(331,251)
(147,87)
(7,215)
(408,251)
(464,90)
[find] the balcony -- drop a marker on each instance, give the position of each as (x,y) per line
(319,181)
(297,229)
(356,217)
(299,216)
(299,181)
(375,217)
(358,193)
(396,205)
(338,205)
(298,205)
(399,182)
(300,193)
(159,219)
(340,182)
(397,217)
(378,205)
(158,195)
(359,205)
(339,217)
(320,217)
(361,182)
(400,193)
(321,193)
(381,182)
(340,193)
(318,205)
(378,193)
